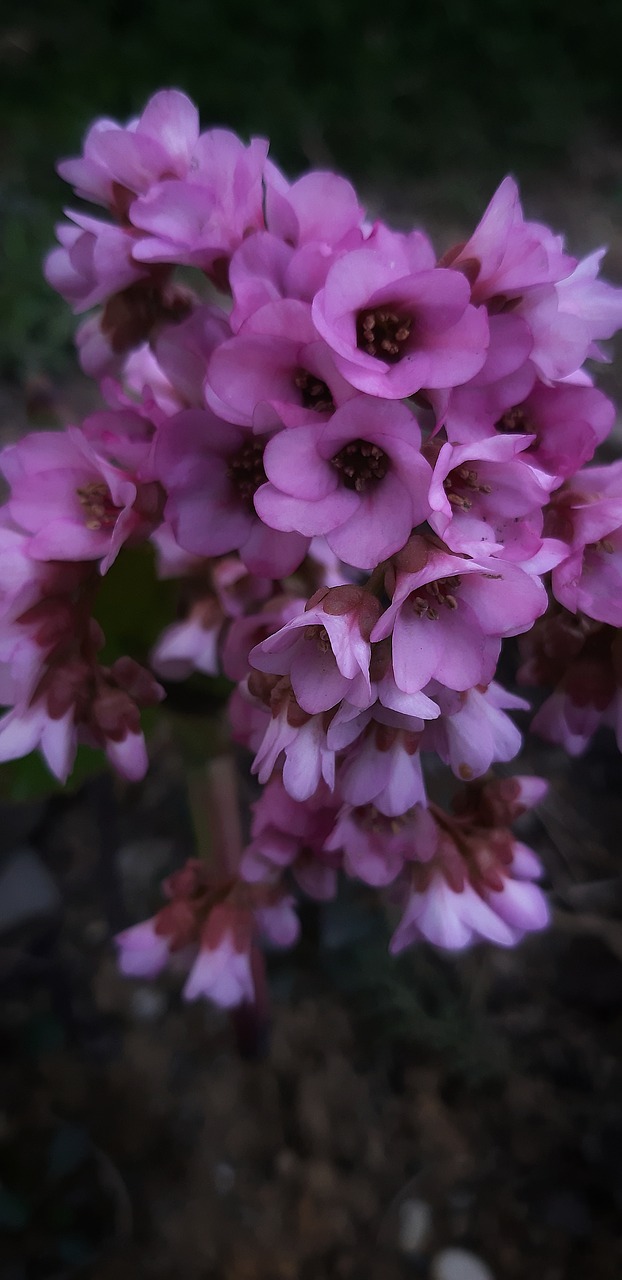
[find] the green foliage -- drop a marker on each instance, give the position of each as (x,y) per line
(472,89)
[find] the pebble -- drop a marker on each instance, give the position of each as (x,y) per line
(224,1178)
(415,1221)
(459,1264)
(147,1003)
(27,890)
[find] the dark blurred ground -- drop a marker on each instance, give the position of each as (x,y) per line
(399,1108)
(396,1109)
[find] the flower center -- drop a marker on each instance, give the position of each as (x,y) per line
(427,600)
(246,470)
(383,333)
(314,393)
(99,509)
(514,420)
(460,486)
(361,464)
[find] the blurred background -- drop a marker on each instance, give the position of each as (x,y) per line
(403,1119)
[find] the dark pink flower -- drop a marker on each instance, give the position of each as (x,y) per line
(587,513)
(487,498)
(448,615)
(205,216)
(360,479)
(276,362)
(94,261)
(119,161)
(397,323)
(74,503)
(212,470)
(325,651)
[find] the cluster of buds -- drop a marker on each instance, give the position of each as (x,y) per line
(368,466)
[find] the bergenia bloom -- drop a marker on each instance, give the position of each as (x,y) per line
(448,615)
(360,479)
(74,503)
(212,471)
(397,323)
(358,467)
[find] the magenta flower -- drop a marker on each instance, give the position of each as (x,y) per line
(325,651)
(448,615)
(94,261)
(212,470)
(119,162)
(566,422)
(397,323)
(587,513)
(287,833)
(473,731)
(276,361)
(75,504)
(319,208)
(477,886)
(204,217)
(360,479)
(486,497)
(507,255)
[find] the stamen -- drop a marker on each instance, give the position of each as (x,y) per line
(246,470)
(383,333)
(99,509)
(314,393)
(361,464)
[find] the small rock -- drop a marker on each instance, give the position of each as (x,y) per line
(415,1221)
(459,1264)
(224,1178)
(147,1003)
(27,890)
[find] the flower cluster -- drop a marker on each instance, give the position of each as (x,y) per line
(366,466)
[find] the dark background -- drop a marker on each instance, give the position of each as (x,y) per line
(135,1140)
(425,106)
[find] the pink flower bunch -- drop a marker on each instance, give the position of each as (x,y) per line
(367,467)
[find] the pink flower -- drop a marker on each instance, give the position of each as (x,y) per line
(204,217)
(119,162)
(276,362)
(587,513)
(448,615)
(375,847)
(222,971)
(473,731)
(319,208)
(507,255)
(383,766)
(359,479)
(77,700)
(486,498)
(287,833)
(566,422)
(478,885)
(325,650)
(94,261)
(74,503)
(190,645)
(397,323)
(293,733)
(212,470)
(143,952)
